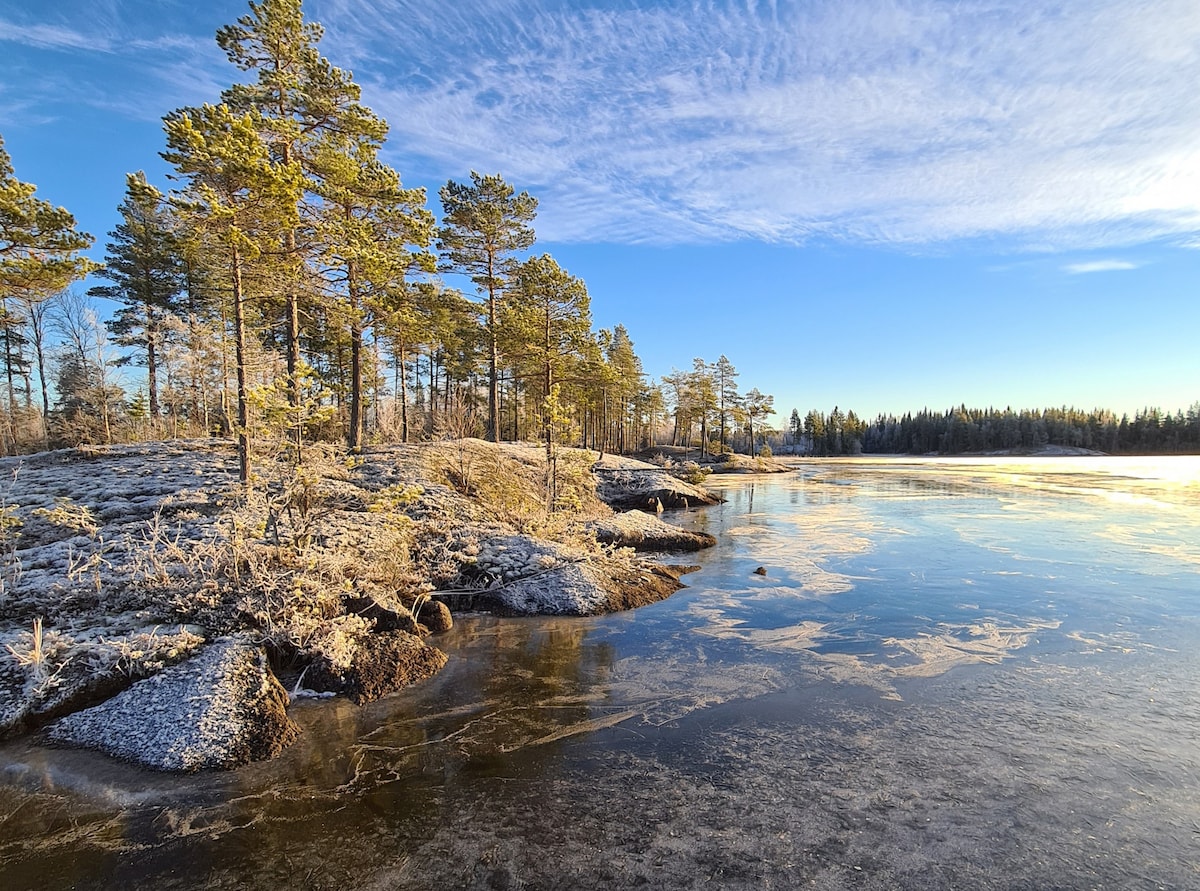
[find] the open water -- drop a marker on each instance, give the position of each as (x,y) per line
(946,674)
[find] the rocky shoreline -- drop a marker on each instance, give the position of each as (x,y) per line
(150,606)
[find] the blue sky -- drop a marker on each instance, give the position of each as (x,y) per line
(880,204)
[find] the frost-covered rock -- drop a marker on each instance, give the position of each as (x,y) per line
(526,577)
(646,532)
(571,589)
(219,710)
(627,484)
(732,463)
(79,669)
(507,558)
(588,589)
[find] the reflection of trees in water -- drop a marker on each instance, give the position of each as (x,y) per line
(548,658)
(515,682)
(547,675)
(510,683)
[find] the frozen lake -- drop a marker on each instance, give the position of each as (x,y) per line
(954,673)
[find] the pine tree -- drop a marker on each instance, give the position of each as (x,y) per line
(145,266)
(627,384)
(549,322)
(39,244)
(240,197)
(16,358)
(301,100)
(484,226)
(757,405)
(375,232)
(727,394)
(814,429)
(704,399)
(39,256)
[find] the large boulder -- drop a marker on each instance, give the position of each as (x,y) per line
(84,669)
(731,463)
(568,589)
(529,577)
(628,484)
(221,709)
(646,532)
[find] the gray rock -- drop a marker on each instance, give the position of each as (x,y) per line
(587,589)
(645,532)
(627,484)
(219,710)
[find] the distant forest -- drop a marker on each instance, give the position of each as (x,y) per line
(962,430)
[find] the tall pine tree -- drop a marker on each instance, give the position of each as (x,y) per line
(375,232)
(241,198)
(485,225)
(301,100)
(39,256)
(145,265)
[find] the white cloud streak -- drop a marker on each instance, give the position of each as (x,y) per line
(1099,266)
(131,58)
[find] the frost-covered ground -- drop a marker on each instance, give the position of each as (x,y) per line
(118,562)
(85,535)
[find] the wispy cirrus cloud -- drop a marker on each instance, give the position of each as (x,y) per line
(47,36)
(122,56)
(886,121)
(1099,266)
(904,122)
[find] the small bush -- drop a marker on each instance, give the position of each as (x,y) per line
(692,473)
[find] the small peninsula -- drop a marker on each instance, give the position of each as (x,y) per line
(157,612)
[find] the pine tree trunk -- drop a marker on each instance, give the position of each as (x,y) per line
(152,369)
(8,365)
(293,360)
(493,432)
(402,391)
(239,341)
(354,434)
(493,365)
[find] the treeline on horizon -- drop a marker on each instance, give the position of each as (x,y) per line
(963,430)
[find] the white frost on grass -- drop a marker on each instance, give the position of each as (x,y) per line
(76,664)
(76,524)
(56,561)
